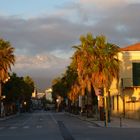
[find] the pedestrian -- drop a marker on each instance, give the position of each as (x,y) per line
(2,110)
(21,108)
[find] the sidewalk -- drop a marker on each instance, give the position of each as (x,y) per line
(115,122)
(120,123)
(8,117)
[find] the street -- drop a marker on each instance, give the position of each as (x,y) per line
(42,125)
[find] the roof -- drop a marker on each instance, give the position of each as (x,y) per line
(134,47)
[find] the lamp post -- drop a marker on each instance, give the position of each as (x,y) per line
(1,97)
(0,94)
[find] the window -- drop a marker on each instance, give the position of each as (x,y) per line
(136,74)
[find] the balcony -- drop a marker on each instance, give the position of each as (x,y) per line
(126,82)
(130,83)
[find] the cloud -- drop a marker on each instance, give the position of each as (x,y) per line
(107,3)
(103,4)
(42,68)
(39,35)
(121,25)
(41,41)
(57,33)
(42,61)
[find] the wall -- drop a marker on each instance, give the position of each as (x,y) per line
(125,99)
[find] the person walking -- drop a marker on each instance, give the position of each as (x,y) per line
(2,110)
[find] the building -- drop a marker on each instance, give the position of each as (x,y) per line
(125,93)
(48,94)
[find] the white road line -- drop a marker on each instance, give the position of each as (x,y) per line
(26,121)
(52,117)
(26,127)
(40,119)
(39,126)
(12,127)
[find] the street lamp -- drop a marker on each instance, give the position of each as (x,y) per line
(4,81)
(58,101)
(7,79)
(1,97)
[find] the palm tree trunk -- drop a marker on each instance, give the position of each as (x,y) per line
(0,89)
(0,95)
(87,105)
(109,107)
(106,106)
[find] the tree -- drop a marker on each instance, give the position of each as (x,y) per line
(18,90)
(107,69)
(83,60)
(29,81)
(7,59)
(61,86)
(97,63)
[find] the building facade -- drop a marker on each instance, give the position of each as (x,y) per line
(125,93)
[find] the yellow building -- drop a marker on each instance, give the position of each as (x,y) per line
(125,94)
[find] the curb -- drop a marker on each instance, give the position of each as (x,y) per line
(84,119)
(96,124)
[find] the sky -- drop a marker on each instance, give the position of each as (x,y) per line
(44,31)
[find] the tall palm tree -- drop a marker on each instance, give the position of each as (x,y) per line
(107,65)
(107,68)
(97,62)
(83,59)
(7,59)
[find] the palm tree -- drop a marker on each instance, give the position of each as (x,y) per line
(107,68)
(97,63)
(83,60)
(107,65)
(7,59)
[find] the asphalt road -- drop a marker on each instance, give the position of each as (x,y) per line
(42,125)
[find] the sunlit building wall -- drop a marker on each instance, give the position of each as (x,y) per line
(48,94)
(125,94)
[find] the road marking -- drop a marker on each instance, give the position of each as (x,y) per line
(26,121)
(12,127)
(39,126)
(52,117)
(26,127)
(41,119)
